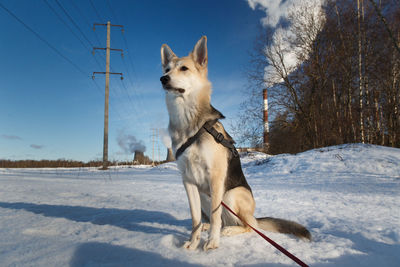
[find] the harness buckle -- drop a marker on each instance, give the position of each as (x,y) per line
(234,152)
(219,137)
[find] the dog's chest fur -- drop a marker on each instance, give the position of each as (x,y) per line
(186,118)
(194,169)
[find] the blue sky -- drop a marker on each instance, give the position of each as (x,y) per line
(51,109)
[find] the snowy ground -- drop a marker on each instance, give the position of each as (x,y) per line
(348,196)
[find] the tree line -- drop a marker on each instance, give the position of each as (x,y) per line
(60,163)
(333,77)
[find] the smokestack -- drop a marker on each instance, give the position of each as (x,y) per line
(266,125)
(166,139)
(170,155)
(140,158)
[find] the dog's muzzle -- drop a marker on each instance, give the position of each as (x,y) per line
(165,82)
(165,79)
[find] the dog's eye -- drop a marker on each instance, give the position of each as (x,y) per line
(184,68)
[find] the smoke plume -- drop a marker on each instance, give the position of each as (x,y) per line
(165,138)
(129,144)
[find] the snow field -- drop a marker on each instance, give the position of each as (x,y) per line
(347,196)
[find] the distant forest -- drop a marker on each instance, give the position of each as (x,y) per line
(344,86)
(60,163)
(47,163)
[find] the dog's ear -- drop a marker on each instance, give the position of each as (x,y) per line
(200,52)
(166,55)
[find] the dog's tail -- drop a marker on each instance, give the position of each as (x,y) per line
(284,227)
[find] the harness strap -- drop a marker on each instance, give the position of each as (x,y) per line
(219,138)
(188,142)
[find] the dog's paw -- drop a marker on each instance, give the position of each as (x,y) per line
(191,245)
(227,231)
(211,244)
(234,230)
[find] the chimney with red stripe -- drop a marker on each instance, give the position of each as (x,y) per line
(266,125)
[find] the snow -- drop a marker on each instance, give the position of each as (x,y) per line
(348,196)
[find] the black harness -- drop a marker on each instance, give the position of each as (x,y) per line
(219,138)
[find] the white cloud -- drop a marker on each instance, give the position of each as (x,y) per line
(275,10)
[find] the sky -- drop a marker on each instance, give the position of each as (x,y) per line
(51,108)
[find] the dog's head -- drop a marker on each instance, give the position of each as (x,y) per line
(185,75)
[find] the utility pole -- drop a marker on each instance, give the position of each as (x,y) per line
(155,137)
(153,140)
(158,148)
(107,73)
(266,125)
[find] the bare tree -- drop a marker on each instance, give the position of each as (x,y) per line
(327,85)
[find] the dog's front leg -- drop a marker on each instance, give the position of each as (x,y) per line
(195,210)
(217,191)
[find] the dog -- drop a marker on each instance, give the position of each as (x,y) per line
(211,172)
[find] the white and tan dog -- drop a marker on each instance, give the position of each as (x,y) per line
(211,173)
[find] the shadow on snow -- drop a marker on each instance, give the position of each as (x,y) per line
(95,253)
(102,254)
(132,220)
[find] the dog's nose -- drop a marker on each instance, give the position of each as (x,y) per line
(165,79)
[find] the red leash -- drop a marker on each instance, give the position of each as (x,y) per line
(272,242)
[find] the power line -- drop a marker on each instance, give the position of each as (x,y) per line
(112,11)
(84,35)
(69,28)
(115,18)
(107,73)
(132,105)
(126,45)
(128,72)
(123,84)
(66,24)
(101,92)
(87,22)
(124,39)
(129,58)
(77,26)
(95,10)
(42,39)
(79,29)
(73,22)
(53,48)
(138,97)
(129,97)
